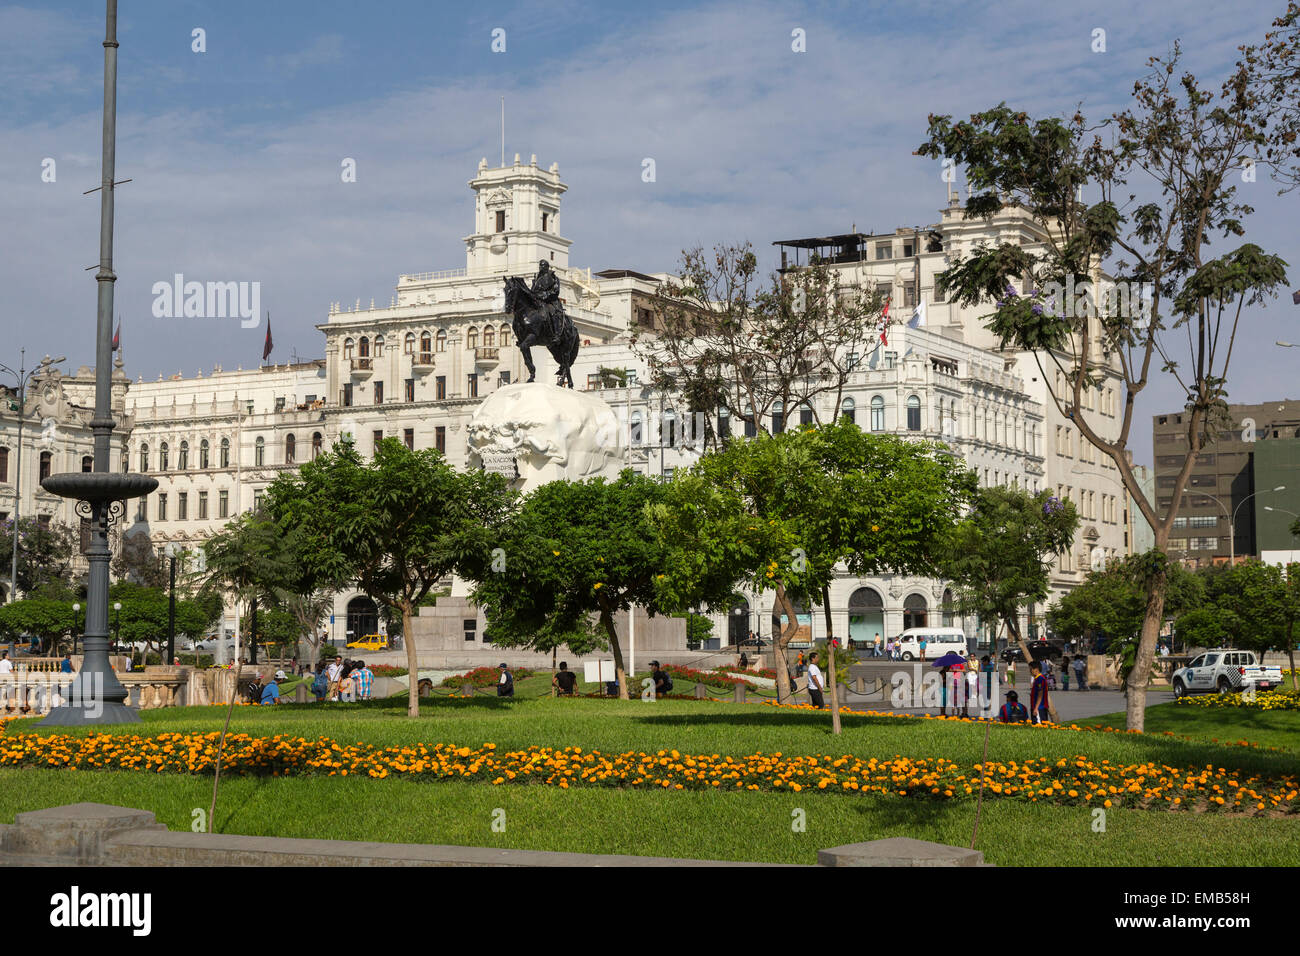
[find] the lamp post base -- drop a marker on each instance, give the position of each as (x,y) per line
(106,713)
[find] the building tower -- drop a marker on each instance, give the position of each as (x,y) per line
(516,219)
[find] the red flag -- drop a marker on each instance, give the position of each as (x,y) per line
(883,340)
(266,348)
(885,316)
(117,336)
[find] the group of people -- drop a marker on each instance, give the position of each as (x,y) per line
(1039,710)
(345,680)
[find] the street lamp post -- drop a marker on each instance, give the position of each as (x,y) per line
(117,626)
(22,376)
(95,695)
(76,612)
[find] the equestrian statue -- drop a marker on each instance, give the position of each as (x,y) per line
(539,319)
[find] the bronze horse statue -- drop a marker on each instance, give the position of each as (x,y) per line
(540,323)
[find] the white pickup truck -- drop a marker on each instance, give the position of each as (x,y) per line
(1224,671)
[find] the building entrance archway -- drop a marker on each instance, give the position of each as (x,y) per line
(866,617)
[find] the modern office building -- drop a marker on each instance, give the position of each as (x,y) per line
(1222,505)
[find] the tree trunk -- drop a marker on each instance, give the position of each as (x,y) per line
(1290,656)
(1135,709)
(412,663)
(830,662)
(1013,627)
(607,619)
(779,642)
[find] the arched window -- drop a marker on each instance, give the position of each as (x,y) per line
(471,337)
(408,344)
(162,457)
(289,449)
(442,340)
(751,427)
(724,423)
(87,463)
(347,349)
(913,413)
(426,343)
(225,453)
(126,461)
(203,453)
(778,417)
(806,415)
(46,459)
(183,459)
(259,451)
(363,348)
(489,337)
(915,611)
(847,408)
(877,413)
(670,427)
(144,456)
(505,335)
(636,428)
(379,346)
(315,444)
(948,608)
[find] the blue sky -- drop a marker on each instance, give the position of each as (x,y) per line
(235,152)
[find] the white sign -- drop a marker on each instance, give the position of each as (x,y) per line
(596,672)
(499,463)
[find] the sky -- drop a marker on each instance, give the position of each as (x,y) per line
(235,153)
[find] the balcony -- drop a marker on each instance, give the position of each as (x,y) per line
(422,361)
(362,367)
(487,355)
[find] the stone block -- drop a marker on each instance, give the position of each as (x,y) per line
(76,832)
(899,851)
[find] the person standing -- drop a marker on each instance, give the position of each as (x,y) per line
(506,685)
(363,677)
(1065,674)
(798,664)
(6,665)
(1038,702)
(1011,673)
(922,648)
(878,646)
(815,682)
(1081,671)
(66,666)
(335,674)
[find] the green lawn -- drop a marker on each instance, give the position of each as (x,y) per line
(747,825)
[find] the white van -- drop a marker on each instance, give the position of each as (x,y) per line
(938,641)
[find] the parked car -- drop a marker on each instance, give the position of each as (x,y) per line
(938,641)
(1041,650)
(1224,671)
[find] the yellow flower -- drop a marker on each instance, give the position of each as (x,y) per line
(596,585)
(556,553)
(875,527)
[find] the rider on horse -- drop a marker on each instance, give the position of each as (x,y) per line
(546,287)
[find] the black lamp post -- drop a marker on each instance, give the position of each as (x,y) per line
(95,695)
(117,627)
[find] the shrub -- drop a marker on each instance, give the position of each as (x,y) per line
(485,677)
(201,661)
(388,670)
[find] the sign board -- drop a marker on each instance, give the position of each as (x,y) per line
(596,672)
(499,463)
(802,637)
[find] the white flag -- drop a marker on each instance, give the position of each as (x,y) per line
(918,316)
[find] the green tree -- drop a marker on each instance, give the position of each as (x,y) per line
(144,615)
(396,524)
(573,550)
(1181,147)
(781,511)
(1000,557)
(1252,593)
(245,560)
(1208,626)
(47,618)
(45,552)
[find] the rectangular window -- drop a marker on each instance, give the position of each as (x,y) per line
(257,501)
(440,387)
(223,504)
(504,380)
(162,506)
(440,439)
(410,389)
(408,436)
(279,404)
(182,505)
(909,295)
(544,218)
(501,220)
(1201,521)
(471,387)
(884,250)
(890,359)
(593,382)
(203,505)
(376,437)
(909,248)
(469,624)
(4,465)
(379,393)
(346,399)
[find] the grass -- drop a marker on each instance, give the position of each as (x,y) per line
(740,826)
